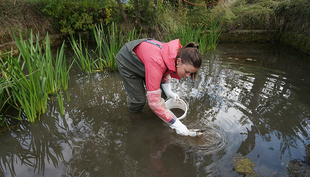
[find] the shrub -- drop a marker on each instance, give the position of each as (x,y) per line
(78,15)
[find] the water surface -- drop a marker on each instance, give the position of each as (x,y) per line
(253,100)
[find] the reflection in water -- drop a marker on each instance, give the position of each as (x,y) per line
(154,152)
(97,128)
(254,98)
(33,145)
(158,151)
(271,102)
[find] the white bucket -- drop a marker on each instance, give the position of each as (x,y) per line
(179,103)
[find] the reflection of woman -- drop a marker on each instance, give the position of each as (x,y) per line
(154,62)
(153,152)
(166,159)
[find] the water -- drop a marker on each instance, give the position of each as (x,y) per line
(252,99)
(177,112)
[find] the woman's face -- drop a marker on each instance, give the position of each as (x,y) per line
(185,70)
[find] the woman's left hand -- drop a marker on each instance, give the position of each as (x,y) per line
(167,89)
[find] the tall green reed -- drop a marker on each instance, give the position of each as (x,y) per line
(6,98)
(61,70)
(82,55)
(112,42)
(33,75)
(62,76)
(98,32)
(109,41)
(186,33)
(134,34)
(214,34)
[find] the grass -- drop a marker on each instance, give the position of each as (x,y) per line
(22,14)
(242,15)
(187,33)
(134,34)
(98,35)
(35,73)
(82,56)
(108,43)
(214,35)
(113,40)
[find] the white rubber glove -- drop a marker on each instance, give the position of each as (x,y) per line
(180,128)
(167,89)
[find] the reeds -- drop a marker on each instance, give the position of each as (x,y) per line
(108,43)
(134,34)
(186,33)
(112,43)
(82,55)
(35,73)
(214,34)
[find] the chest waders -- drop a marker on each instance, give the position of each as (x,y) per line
(133,73)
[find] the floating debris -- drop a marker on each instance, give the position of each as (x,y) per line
(250,59)
(243,164)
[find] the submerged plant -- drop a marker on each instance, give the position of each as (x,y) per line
(243,164)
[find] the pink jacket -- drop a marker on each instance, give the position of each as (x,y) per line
(159,63)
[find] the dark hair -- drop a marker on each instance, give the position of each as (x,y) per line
(190,54)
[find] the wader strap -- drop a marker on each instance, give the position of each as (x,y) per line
(154,43)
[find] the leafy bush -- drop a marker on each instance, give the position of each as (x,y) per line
(78,15)
(242,15)
(294,16)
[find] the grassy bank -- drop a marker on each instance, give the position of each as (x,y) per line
(23,15)
(279,20)
(285,20)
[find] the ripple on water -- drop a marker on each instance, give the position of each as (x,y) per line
(210,141)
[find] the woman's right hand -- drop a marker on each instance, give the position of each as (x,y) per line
(180,128)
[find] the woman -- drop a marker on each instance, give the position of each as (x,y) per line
(154,63)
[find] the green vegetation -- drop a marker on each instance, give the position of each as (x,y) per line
(112,42)
(108,42)
(26,86)
(243,165)
(242,15)
(294,23)
(205,40)
(76,15)
(21,15)
(28,79)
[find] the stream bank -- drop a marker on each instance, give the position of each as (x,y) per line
(295,40)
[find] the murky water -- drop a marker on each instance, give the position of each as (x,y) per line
(177,112)
(253,101)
